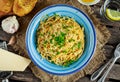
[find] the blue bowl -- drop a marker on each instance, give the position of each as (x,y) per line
(90,39)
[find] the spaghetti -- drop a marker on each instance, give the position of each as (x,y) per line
(60,40)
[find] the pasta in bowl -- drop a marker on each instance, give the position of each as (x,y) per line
(60,40)
(63,42)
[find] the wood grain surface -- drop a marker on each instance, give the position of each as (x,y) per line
(114,28)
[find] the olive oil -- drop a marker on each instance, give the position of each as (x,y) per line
(88,1)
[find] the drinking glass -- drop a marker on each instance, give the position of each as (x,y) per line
(109,4)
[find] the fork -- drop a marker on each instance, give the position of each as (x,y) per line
(96,74)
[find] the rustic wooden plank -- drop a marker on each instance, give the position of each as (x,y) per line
(115,72)
(26,77)
(115,38)
(4,36)
(109,49)
(87,79)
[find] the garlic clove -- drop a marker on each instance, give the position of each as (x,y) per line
(10,24)
(12,40)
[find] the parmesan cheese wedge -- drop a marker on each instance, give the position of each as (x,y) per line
(12,62)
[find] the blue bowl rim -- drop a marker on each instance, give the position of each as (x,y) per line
(94,32)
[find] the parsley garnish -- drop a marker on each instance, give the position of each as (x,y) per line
(60,39)
(71,40)
(79,44)
(58,52)
(45,42)
(67,63)
(53,35)
(51,41)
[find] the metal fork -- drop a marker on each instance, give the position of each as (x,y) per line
(96,74)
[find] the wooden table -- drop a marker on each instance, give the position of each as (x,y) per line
(114,75)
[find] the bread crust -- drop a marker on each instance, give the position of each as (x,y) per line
(23,7)
(17,7)
(5,7)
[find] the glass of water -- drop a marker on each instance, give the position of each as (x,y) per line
(110,10)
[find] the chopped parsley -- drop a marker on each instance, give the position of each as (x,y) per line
(60,39)
(66,18)
(48,33)
(63,34)
(71,40)
(67,63)
(64,51)
(57,53)
(41,34)
(45,42)
(49,58)
(69,26)
(53,35)
(76,45)
(79,44)
(53,62)
(51,41)
(55,16)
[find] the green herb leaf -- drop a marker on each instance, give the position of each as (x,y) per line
(51,41)
(41,34)
(53,62)
(79,44)
(56,33)
(58,52)
(60,39)
(50,24)
(48,33)
(71,40)
(67,63)
(66,18)
(73,46)
(69,26)
(46,18)
(45,42)
(49,58)
(53,35)
(55,16)
(64,51)
(63,34)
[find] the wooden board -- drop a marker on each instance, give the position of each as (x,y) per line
(113,27)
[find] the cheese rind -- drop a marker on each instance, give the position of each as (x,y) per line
(12,62)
